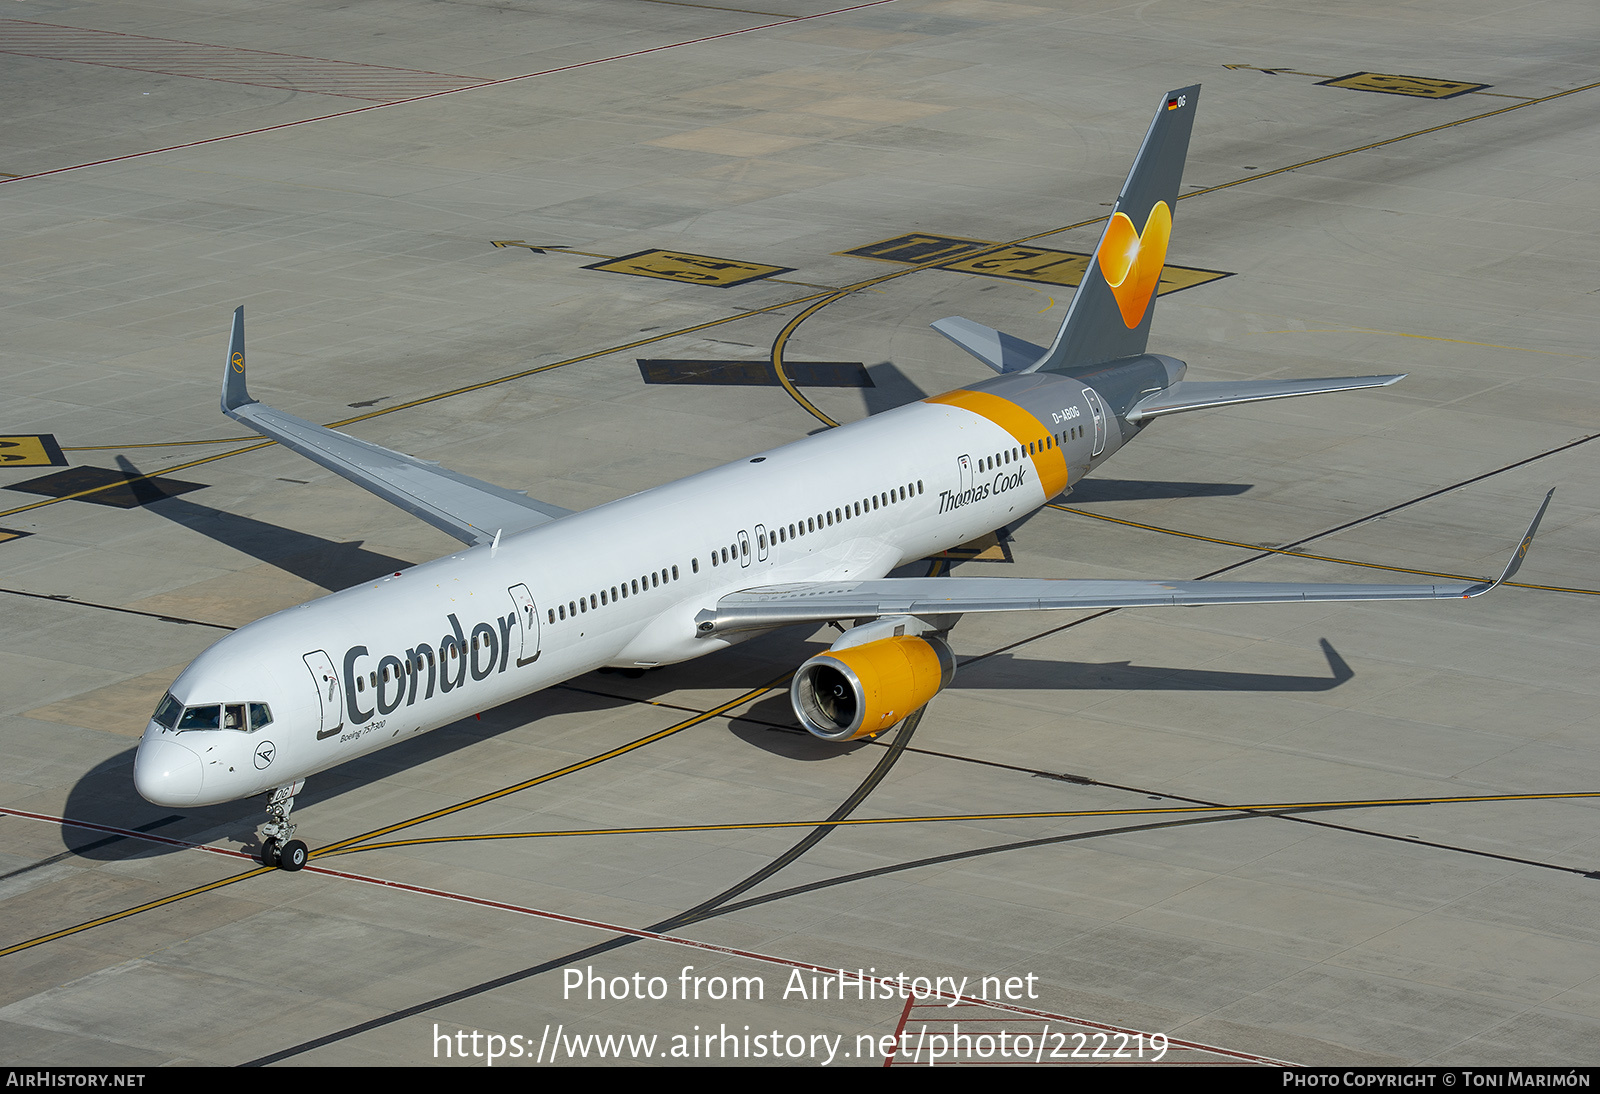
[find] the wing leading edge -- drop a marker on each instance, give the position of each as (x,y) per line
(820,602)
(469,509)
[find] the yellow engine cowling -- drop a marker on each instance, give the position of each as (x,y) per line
(862,690)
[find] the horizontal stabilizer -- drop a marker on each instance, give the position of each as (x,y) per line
(469,509)
(1190,395)
(1001,352)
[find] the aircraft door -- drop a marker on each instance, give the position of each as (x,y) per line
(1098,409)
(966,475)
(744,548)
(528,620)
(761,543)
(329,693)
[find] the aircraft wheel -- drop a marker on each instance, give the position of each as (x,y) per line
(293,856)
(269,852)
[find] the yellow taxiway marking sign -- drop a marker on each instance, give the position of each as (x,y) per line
(918,247)
(31,450)
(986,548)
(696,269)
(1050,267)
(1421,87)
(1015,263)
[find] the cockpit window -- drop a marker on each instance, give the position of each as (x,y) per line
(260,716)
(166,715)
(233,717)
(208,717)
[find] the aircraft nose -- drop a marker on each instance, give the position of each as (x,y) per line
(166,773)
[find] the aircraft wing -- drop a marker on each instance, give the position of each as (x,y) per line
(469,509)
(820,602)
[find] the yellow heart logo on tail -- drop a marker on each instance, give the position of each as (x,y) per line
(1131,261)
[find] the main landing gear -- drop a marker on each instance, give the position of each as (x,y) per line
(277,849)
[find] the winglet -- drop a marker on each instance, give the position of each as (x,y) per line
(1521,552)
(234,393)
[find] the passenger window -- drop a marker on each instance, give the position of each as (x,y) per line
(695,562)
(552,615)
(674,573)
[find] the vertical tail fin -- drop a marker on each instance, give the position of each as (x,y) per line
(1110,313)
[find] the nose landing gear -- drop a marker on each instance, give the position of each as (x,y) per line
(277,848)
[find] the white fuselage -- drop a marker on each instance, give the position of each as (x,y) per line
(619,585)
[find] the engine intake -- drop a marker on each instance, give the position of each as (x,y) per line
(860,691)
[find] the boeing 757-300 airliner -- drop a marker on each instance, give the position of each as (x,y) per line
(805,533)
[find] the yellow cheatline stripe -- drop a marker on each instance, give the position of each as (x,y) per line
(1050,464)
(1306,554)
(1266,807)
(754,693)
(125,913)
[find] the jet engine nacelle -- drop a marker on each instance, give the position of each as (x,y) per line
(858,690)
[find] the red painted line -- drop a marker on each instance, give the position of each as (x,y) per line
(888,1061)
(285,85)
(91,826)
(85,34)
(676,940)
(437,94)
